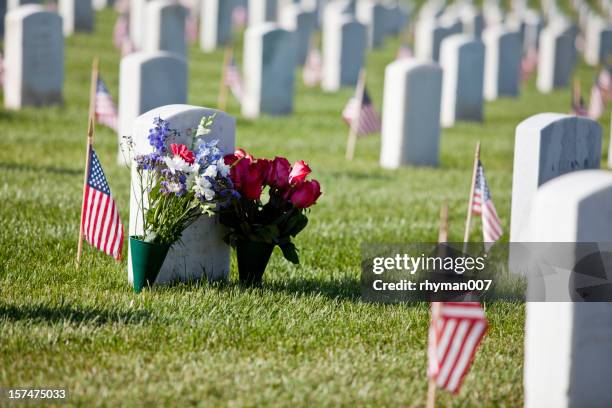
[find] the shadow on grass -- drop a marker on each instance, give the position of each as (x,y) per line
(39,169)
(83,314)
(344,289)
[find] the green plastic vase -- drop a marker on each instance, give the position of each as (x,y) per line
(147,260)
(253,258)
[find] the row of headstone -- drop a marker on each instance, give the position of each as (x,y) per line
(34,57)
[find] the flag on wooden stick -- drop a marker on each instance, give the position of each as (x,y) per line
(106,110)
(529,63)
(360,108)
(100,222)
(313,68)
(121,35)
(233,79)
(482,204)
(455,332)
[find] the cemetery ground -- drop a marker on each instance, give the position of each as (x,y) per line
(305,338)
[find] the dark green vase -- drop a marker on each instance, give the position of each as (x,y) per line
(253,257)
(147,260)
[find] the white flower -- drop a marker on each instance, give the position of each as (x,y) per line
(174,187)
(203,187)
(211,171)
(195,169)
(223,168)
(176,163)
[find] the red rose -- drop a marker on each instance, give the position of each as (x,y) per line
(182,151)
(306,194)
(299,172)
(252,181)
(278,174)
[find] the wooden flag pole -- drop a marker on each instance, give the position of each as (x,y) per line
(354,128)
(431,389)
(468,221)
(90,141)
(443,228)
(223,91)
(95,72)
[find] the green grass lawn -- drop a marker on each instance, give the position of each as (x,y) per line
(305,338)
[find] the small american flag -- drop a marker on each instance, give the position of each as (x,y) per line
(482,205)
(106,110)
(233,79)
(100,222)
(597,102)
(604,81)
(529,63)
(369,121)
(455,332)
(313,68)
(191,29)
(404,52)
(121,36)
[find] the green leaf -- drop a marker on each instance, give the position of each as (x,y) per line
(290,253)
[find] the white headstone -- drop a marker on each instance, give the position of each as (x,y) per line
(137,22)
(216,24)
(294,17)
(148,80)
(555,59)
(34,57)
(344,45)
(269,65)
(429,34)
(462,60)
(201,252)
(502,63)
(77,15)
(165,27)
(411,114)
(546,146)
(12,4)
(597,41)
(568,346)
(374,16)
(262,11)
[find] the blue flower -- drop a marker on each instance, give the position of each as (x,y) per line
(159,134)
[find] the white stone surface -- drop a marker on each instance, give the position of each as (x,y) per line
(148,80)
(462,60)
(102,4)
(502,63)
(165,27)
(216,24)
(269,71)
(429,34)
(411,114)
(77,15)
(12,4)
(373,15)
(344,46)
(568,346)
(202,252)
(137,22)
(597,40)
(34,57)
(262,11)
(546,146)
(555,59)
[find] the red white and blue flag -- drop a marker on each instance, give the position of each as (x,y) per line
(233,79)
(455,332)
(106,110)
(482,205)
(313,68)
(363,109)
(529,63)
(121,35)
(100,222)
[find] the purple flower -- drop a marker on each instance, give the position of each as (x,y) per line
(159,134)
(150,161)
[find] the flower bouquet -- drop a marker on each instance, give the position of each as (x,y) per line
(177,184)
(254,227)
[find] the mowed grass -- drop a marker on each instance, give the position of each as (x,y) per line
(305,338)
